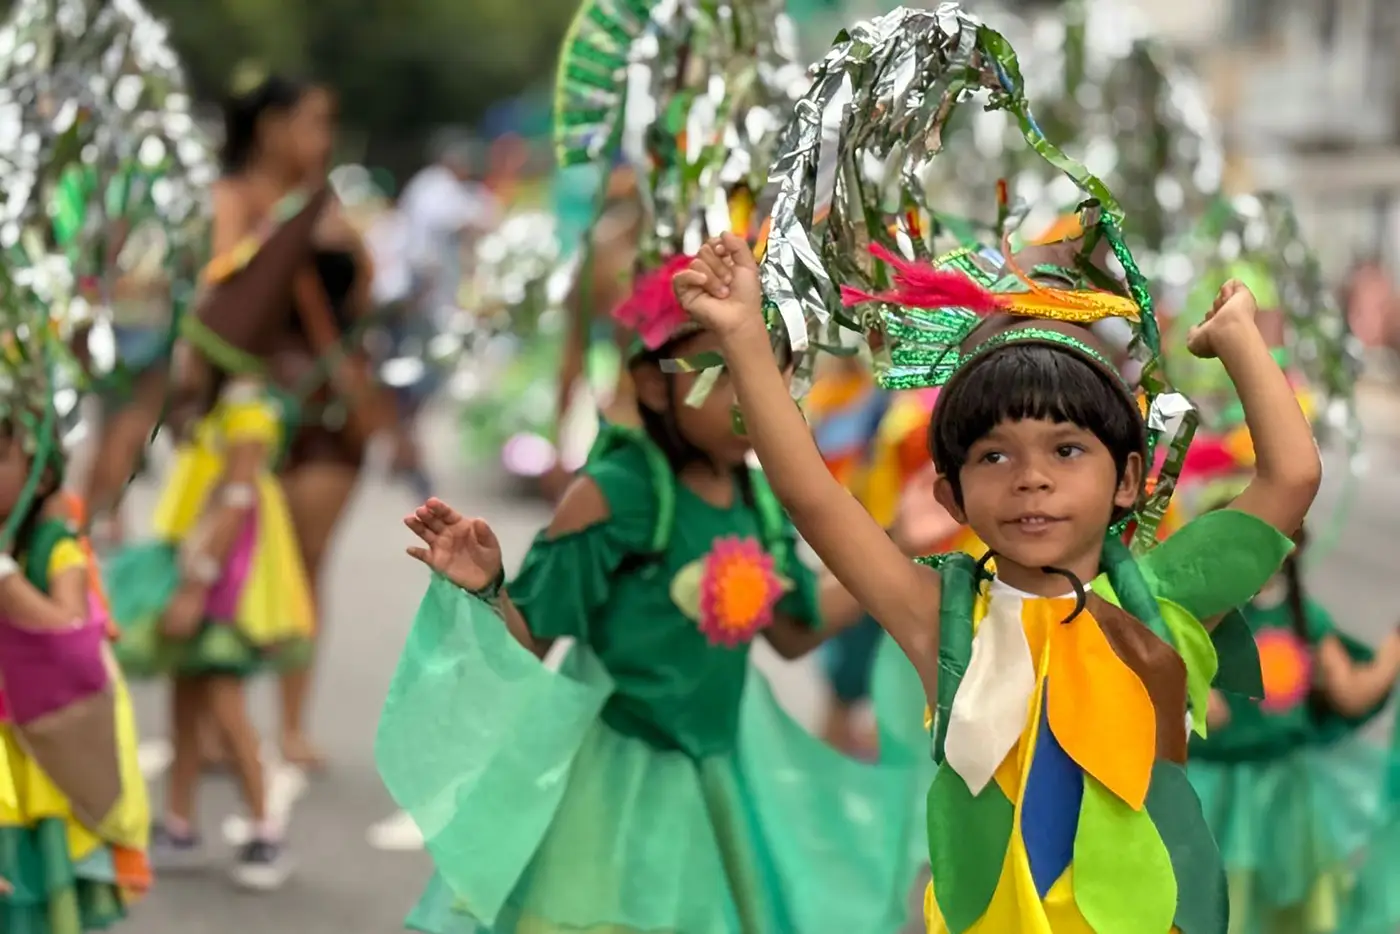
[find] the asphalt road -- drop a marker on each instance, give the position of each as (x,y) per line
(347,886)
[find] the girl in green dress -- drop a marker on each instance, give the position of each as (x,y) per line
(1291,791)
(616,766)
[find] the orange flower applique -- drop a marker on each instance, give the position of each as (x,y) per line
(1286,665)
(738,591)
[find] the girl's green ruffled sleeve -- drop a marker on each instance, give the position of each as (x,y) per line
(563,581)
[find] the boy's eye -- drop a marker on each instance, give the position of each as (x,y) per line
(1068,450)
(992,457)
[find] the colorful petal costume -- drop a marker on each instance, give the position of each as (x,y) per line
(1060,802)
(73,808)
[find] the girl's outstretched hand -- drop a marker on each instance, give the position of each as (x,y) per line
(465,551)
(720,287)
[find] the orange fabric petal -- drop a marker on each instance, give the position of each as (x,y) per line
(1100,710)
(133,869)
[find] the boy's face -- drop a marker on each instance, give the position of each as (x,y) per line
(1041,494)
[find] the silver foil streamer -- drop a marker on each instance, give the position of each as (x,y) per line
(93,101)
(850,166)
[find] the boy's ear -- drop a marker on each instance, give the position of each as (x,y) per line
(949,499)
(1126,496)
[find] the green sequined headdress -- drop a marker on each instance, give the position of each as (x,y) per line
(689,96)
(38,381)
(877,110)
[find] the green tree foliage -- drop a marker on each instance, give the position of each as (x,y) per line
(403,68)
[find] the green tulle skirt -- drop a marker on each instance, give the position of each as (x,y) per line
(141,580)
(1294,831)
(541,818)
(50,893)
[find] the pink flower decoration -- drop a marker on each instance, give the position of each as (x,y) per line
(652,309)
(737,592)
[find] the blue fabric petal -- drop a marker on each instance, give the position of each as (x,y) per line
(1050,810)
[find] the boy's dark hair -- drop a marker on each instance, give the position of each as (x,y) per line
(1036,381)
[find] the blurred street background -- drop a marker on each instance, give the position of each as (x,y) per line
(1307,93)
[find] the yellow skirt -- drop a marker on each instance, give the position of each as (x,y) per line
(274,605)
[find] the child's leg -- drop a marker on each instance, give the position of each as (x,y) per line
(262,862)
(230,715)
(189,699)
(174,843)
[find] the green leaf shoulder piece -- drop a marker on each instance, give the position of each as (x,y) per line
(1216,562)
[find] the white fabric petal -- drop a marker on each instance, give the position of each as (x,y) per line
(990,709)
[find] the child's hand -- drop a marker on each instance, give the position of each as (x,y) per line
(184,613)
(1217,712)
(720,288)
(1234,309)
(464,551)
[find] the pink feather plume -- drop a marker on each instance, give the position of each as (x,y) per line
(919,285)
(652,309)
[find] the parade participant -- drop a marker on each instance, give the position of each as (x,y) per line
(74,819)
(1060,682)
(223,591)
(442,208)
(634,613)
(666,559)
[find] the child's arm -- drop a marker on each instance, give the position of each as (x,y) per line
(1218,711)
(793,638)
(1288,469)
(1352,689)
(721,290)
(65,605)
(30,607)
(466,551)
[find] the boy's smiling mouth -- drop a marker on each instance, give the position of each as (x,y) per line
(1033,522)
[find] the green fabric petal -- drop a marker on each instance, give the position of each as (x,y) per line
(1237,657)
(1216,562)
(957,571)
(967,840)
(1202,906)
(1132,590)
(1194,643)
(685,588)
(1123,879)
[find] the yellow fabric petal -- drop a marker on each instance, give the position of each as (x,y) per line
(1065,916)
(275,605)
(128,824)
(66,556)
(1100,711)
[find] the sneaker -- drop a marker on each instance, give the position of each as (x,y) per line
(263,865)
(175,853)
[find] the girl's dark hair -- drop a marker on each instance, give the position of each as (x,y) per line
(1297,599)
(50,485)
(1030,381)
(242,113)
(662,427)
